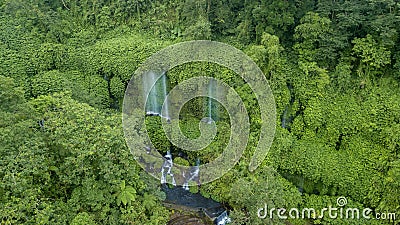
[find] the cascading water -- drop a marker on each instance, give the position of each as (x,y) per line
(163,78)
(150,91)
(210,94)
(155,90)
(192,176)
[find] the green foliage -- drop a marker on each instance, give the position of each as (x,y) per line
(50,56)
(317,40)
(117,88)
(199,31)
(333,67)
(126,194)
(264,189)
(372,55)
(11,95)
(273,16)
(77,154)
(49,82)
(83,219)
(181,161)
(156,133)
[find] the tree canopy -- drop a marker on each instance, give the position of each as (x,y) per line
(333,67)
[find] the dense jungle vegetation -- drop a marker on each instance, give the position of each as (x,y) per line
(333,67)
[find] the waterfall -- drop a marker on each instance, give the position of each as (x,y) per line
(165,114)
(150,89)
(192,176)
(157,104)
(156,91)
(210,94)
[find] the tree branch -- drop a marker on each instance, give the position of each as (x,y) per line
(65,5)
